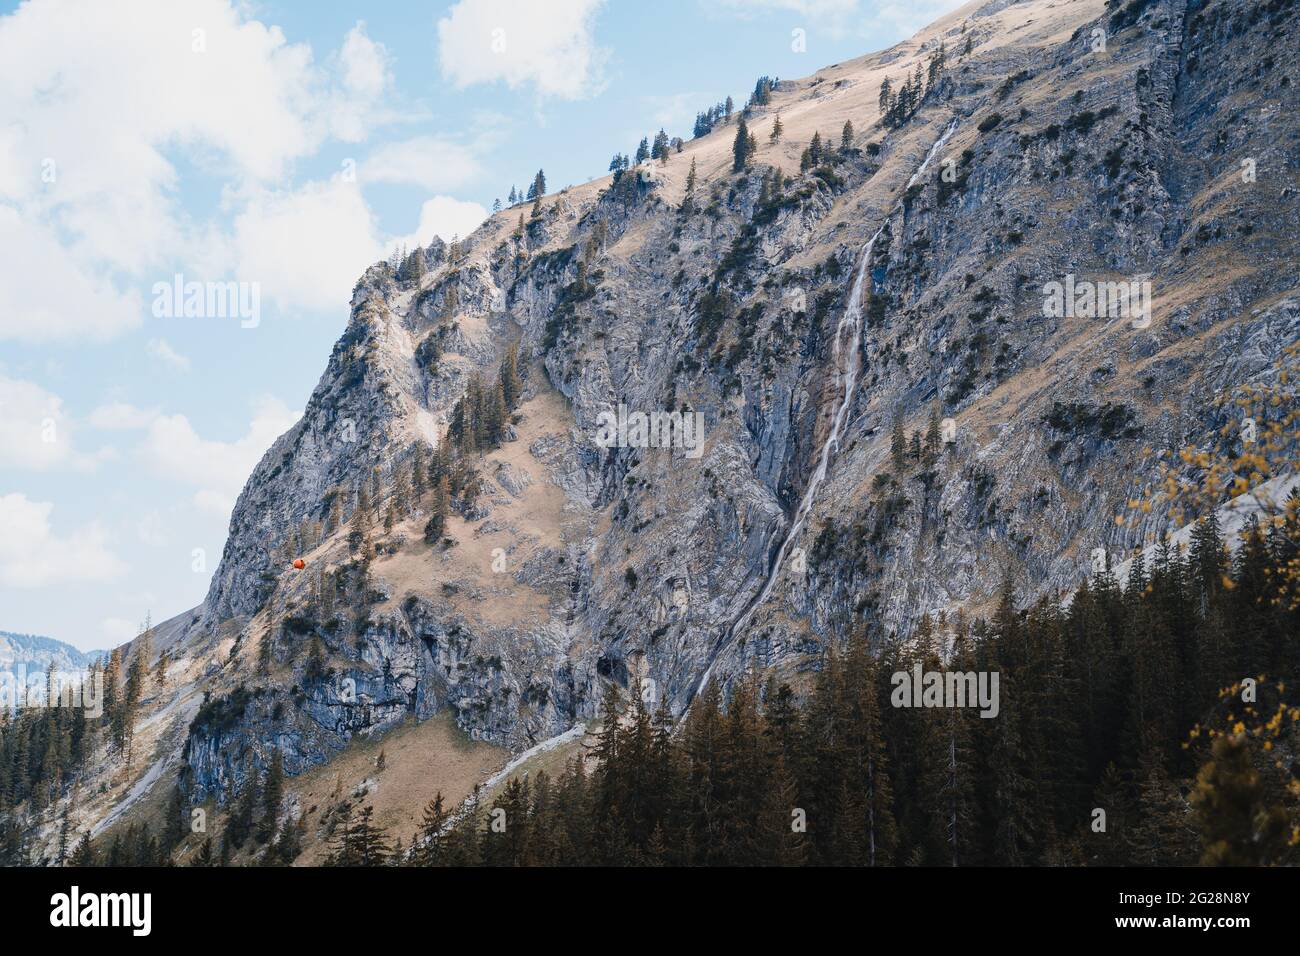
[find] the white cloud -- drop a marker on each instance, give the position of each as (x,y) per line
(673,112)
(35,431)
(121,416)
(130,84)
(366,76)
(445,218)
(119,630)
(430,162)
(95,98)
(217,470)
(808,8)
(50,294)
(164,353)
(306,248)
(906,17)
(33,556)
(152,530)
(519,42)
(897,17)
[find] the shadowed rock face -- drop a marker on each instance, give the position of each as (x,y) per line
(578,564)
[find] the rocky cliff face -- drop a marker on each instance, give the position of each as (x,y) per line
(1149,141)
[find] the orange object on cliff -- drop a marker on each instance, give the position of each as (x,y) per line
(299,564)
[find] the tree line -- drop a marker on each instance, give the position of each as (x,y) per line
(1147,725)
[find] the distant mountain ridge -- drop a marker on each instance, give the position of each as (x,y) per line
(28,652)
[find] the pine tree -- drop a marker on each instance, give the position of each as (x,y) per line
(160,672)
(741,147)
(660,149)
(84,855)
(412,268)
(240,824)
(688,201)
(1166,832)
(933,438)
(432,841)
(898,444)
(866,748)
(174,824)
(1011,792)
(367,842)
(418,483)
(536,192)
(777,129)
(204,855)
(508,376)
(846,136)
(436,526)
(315,669)
(1113,845)
(272,794)
(65,828)
(287,845)
(141,656)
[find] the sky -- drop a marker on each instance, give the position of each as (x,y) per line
(281,147)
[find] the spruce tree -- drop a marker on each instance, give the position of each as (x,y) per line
(898,444)
(204,855)
(431,845)
(240,825)
(84,855)
(741,147)
(436,526)
(508,377)
(272,795)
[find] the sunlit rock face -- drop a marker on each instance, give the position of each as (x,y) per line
(1148,146)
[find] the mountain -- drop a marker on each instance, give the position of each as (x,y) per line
(903,286)
(30,654)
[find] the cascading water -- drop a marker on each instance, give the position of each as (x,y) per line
(850,327)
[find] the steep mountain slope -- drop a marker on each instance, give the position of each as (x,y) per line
(1066,140)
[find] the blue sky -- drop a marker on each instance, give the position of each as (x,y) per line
(284,146)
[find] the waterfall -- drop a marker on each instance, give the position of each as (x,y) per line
(849,330)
